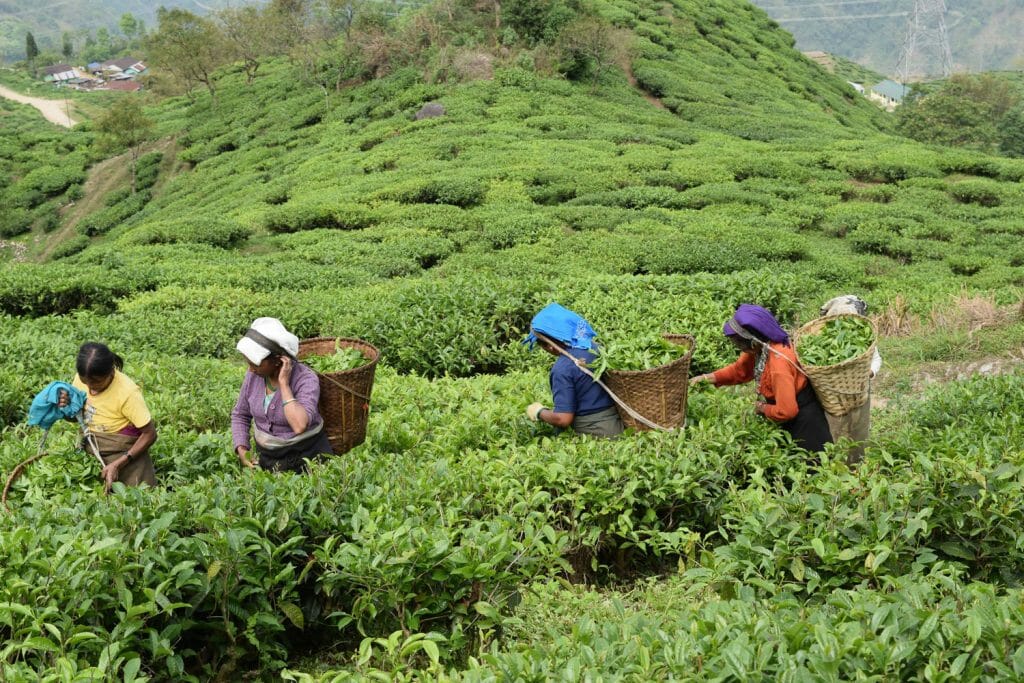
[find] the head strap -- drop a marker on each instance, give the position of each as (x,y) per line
(743,332)
(268,344)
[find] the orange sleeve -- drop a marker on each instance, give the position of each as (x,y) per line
(738,373)
(784,382)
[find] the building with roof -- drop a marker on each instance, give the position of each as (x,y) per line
(59,73)
(889,94)
(127,66)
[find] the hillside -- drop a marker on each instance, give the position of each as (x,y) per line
(708,164)
(49,21)
(984,35)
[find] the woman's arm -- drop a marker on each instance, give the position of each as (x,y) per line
(241,421)
(146,439)
(300,395)
(784,389)
(561,420)
(740,372)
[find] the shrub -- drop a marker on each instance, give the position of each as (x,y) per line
(147,168)
(217,232)
(107,219)
(15,221)
(70,247)
(34,290)
(298,215)
(983,192)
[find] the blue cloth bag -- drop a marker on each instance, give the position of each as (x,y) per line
(560,323)
(44,411)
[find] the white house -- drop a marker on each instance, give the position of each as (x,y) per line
(888,93)
(59,73)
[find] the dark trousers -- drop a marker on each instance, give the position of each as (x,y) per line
(293,458)
(809,428)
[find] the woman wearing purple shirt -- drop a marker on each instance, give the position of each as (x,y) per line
(278,401)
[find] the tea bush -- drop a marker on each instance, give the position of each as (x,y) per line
(459,524)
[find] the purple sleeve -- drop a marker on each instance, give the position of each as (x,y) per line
(241,416)
(306,390)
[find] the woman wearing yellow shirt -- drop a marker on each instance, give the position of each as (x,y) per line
(116,415)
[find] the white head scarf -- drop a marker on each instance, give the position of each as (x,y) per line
(272,329)
(848,303)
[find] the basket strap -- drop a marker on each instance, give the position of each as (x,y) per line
(343,387)
(583,367)
(742,332)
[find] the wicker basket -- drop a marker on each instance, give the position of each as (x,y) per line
(844,386)
(659,394)
(344,395)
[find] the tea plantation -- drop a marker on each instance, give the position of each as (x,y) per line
(461,541)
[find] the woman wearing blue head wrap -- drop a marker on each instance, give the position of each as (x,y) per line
(579,402)
(767,358)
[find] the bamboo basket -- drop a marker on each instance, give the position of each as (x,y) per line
(659,394)
(844,386)
(344,395)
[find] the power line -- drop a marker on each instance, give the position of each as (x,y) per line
(843,17)
(926,37)
(33,10)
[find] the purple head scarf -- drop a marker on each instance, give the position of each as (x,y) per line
(758,321)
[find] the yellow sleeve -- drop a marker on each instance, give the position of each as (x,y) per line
(135,409)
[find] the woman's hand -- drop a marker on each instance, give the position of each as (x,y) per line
(759,407)
(242,452)
(694,381)
(62,398)
(284,374)
(111,470)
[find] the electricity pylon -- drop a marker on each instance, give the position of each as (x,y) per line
(927,43)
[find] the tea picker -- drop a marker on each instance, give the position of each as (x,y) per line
(44,412)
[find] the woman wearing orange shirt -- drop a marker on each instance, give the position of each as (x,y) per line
(785,394)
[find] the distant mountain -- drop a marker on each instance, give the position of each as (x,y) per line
(50,19)
(984,35)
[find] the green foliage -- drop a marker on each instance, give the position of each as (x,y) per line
(964,111)
(324,203)
(839,339)
(984,192)
(70,247)
(535,20)
(342,359)
(107,219)
(196,230)
(15,221)
(34,290)
(147,168)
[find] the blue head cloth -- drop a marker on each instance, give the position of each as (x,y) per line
(759,320)
(561,324)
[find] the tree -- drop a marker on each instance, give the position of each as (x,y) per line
(286,24)
(588,47)
(31,49)
(189,47)
(1011,133)
(124,126)
(535,20)
(963,111)
(129,25)
(248,35)
(67,46)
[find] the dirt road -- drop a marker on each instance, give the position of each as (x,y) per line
(53,110)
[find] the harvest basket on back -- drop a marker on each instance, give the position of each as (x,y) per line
(344,395)
(658,394)
(843,386)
